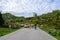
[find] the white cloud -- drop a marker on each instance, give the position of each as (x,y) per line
(27,6)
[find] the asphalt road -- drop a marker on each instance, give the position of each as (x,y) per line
(28,34)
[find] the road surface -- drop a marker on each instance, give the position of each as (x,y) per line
(28,34)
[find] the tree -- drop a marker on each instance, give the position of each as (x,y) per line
(35,14)
(35,18)
(1,20)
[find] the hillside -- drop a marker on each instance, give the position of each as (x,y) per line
(10,18)
(50,19)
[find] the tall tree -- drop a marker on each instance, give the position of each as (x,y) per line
(35,14)
(1,20)
(35,18)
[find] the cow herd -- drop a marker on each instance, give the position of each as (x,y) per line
(29,25)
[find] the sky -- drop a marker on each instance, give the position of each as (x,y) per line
(27,7)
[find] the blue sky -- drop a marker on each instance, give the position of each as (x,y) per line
(27,7)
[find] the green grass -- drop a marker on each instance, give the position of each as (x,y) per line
(55,33)
(4,31)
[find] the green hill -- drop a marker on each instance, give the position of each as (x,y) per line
(8,17)
(51,19)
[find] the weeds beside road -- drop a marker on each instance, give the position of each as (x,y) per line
(4,31)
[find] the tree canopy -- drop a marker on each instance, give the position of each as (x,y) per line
(1,20)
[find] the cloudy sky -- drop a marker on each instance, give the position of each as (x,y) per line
(27,7)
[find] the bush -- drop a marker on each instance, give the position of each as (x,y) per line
(54,33)
(5,26)
(17,27)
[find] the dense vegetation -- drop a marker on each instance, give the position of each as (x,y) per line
(4,31)
(1,20)
(51,19)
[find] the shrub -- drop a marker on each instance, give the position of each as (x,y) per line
(5,26)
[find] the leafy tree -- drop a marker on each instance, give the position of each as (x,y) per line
(35,18)
(35,14)
(1,20)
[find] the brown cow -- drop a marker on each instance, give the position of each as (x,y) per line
(29,25)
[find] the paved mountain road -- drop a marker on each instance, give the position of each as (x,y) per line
(28,34)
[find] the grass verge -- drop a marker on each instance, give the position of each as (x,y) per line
(54,33)
(4,31)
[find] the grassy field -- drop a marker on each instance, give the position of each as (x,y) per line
(54,33)
(4,31)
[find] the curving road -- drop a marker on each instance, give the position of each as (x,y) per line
(28,34)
